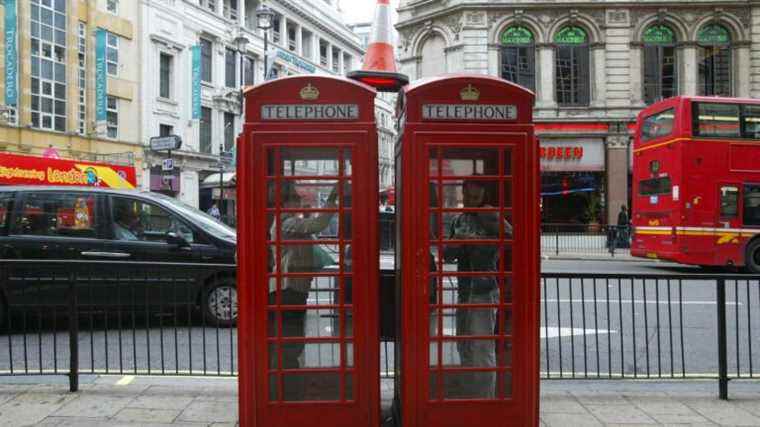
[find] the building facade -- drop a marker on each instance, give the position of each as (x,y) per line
(593,67)
(48,61)
(307,37)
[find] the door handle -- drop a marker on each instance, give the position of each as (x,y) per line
(106,254)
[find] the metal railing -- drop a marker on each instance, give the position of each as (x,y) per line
(583,239)
(69,318)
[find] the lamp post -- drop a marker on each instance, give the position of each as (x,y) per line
(240,43)
(264,18)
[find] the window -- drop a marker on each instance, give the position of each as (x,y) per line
(323,53)
(229,131)
(335,60)
(166,65)
(82,74)
(276,20)
(572,67)
(660,66)
(229,67)
(165,130)
(135,220)
(716,120)
(292,41)
(230,9)
(112,117)
(433,55)
(249,71)
(6,206)
(714,61)
(112,6)
(48,65)
(518,57)
(655,186)
(206,48)
(210,4)
(112,54)
(658,125)
(729,201)
(59,214)
(751,121)
(348,63)
(751,204)
(205,130)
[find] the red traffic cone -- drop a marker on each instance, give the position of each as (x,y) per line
(379,68)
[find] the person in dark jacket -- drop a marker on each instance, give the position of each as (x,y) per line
(623,232)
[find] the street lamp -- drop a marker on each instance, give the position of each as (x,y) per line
(264,18)
(240,43)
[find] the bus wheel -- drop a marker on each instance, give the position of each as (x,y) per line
(753,257)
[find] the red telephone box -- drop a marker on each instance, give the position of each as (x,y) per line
(467,258)
(308,255)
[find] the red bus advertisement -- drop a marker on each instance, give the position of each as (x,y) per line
(696,182)
(29,170)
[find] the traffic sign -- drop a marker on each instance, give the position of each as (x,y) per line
(167,165)
(165,143)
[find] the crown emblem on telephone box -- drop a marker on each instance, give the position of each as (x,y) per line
(309,93)
(470,93)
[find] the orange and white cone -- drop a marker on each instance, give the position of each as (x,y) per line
(379,68)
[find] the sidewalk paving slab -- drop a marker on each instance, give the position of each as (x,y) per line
(192,402)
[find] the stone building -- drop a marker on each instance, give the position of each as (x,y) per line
(48,58)
(593,67)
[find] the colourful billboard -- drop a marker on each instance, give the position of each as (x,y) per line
(29,170)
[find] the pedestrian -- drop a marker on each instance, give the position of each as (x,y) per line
(214,212)
(476,289)
(623,234)
(305,258)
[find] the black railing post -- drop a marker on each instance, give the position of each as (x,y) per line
(73,335)
(556,243)
(722,351)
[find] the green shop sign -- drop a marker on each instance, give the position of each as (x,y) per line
(517,35)
(659,34)
(571,35)
(713,34)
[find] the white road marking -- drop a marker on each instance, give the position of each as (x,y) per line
(126,380)
(637,301)
(555,332)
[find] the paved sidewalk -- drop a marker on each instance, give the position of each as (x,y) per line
(128,401)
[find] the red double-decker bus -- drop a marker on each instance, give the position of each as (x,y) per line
(696,182)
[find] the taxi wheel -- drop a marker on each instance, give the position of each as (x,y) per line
(753,257)
(220,303)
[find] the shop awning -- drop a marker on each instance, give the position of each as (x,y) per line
(229,179)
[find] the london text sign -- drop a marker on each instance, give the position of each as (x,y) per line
(310,112)
(469,112)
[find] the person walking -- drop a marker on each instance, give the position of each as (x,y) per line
(623,234)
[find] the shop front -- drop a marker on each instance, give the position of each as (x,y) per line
(222,192)
(572,180)
(31,170)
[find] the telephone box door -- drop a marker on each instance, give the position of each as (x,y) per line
(476,334)
(309,334)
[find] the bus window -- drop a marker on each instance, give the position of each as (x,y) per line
(752,204)
(655,186)
(729,201)
(658,125)
(713,120)
(751,119)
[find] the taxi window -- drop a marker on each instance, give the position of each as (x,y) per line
(713,120)
(658,125)
(58,214)
(6,199)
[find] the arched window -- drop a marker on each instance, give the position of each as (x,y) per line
(433,56)
(660,68)
(572,67)
(518,56)
(714,43)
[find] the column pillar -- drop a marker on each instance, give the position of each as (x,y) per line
(636,75)
(241,14)
(598,86)
(299,40)
(545,77)
(741,71)
(617,173)
(494,65)
(689,69)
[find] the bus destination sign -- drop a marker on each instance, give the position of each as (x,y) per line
(310,112)
(469,112)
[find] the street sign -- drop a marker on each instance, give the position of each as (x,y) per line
(167,165)
(165,143)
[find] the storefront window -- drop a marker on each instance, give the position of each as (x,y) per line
(572,67)
(659,63)
(518,56)
(714,60)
